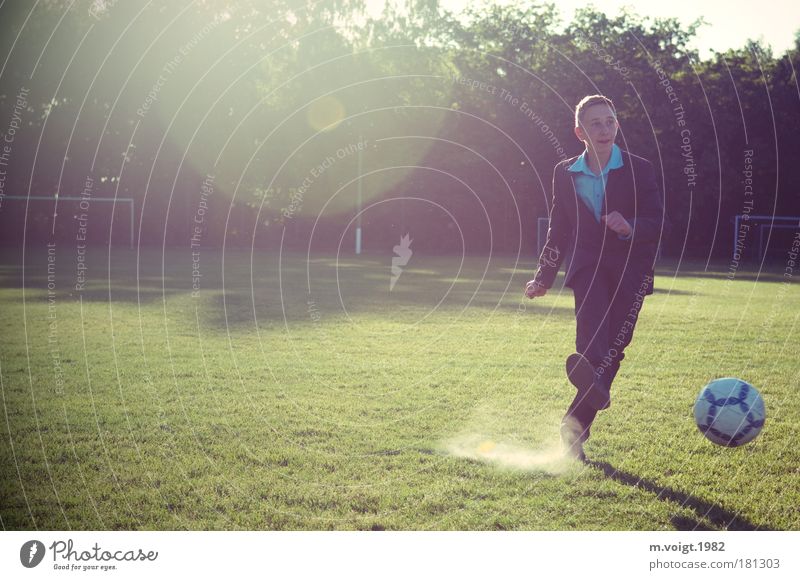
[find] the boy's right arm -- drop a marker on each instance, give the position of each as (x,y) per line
(558,235)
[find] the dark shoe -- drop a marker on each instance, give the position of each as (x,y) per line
(572,442)
(580,371)
(581,374)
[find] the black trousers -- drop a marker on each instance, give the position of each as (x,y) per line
(607,305)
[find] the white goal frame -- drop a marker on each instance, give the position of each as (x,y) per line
(741,218)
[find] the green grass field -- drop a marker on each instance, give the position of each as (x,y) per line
(295,394)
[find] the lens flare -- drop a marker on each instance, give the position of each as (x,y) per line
(325,113)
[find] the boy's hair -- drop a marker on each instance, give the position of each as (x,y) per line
(590,100)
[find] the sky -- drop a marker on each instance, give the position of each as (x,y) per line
(730,22)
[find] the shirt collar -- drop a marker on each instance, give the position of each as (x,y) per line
(614,162)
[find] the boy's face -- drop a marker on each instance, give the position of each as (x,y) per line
(598,128)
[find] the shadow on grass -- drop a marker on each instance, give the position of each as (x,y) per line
(234,309)
(772,272)
(436,283)
(719,517)
(674,292)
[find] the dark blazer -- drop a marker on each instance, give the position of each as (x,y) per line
(577,240)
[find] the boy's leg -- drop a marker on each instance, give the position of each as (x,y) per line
(626,304)
(591,340)
(592,306)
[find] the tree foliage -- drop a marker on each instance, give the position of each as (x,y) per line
(449,126)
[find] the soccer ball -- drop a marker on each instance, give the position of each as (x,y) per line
(729,412)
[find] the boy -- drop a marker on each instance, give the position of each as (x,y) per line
(606,222)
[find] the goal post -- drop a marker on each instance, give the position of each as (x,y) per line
(744,224)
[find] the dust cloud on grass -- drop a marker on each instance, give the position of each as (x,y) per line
(504,438)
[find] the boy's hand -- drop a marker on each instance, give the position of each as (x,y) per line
(533,289)
(617,223)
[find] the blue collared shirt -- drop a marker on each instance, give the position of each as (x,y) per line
(590,186)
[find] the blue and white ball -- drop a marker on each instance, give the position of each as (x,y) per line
(729,412)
